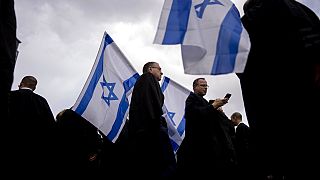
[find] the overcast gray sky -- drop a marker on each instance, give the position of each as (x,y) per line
(60,40)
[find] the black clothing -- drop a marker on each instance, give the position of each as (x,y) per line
(283,67)
(242,142)
(114,156)
(78,141)
(8,48)
(243,151)
(33,132)
(151,153)
(207,149)
(8,41)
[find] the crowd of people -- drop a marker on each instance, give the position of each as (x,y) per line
(284,56)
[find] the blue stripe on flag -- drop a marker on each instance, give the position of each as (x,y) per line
(123,107)
(228,43)
(177,22)
(165,83)
(175,146)
(94,80)
(181,126)
(108,39)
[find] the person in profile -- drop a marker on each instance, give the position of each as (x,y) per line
(207,148)
(34,125)
(283,66)
(150,150)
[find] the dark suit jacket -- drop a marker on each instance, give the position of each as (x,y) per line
(242,143)
(149,143)
(78,140)
(33,130)
(207,148)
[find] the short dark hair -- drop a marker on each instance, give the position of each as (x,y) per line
(236,115)
(147,66)
(29,81)
(195,82)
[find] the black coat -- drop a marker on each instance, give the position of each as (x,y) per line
(150,149)
(78,141)
(33,131)
(8,44)
(283,67)
(207,149)
(242,146)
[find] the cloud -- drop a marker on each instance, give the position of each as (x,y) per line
(60,40)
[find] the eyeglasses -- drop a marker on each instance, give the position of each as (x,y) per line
(156,68)
(204,85)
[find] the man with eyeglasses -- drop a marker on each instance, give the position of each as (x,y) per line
(207,149)
(150,151)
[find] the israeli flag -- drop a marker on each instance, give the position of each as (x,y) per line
(175,97)
(212,37)
(103,100)
(314,5)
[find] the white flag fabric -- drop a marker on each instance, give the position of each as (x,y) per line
(314,5)
(103,100)
(212,37)
(175,97)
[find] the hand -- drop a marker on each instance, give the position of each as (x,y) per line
(219,102)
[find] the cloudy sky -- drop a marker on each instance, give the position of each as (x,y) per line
(60,40)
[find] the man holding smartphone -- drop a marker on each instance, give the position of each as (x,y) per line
(207,149)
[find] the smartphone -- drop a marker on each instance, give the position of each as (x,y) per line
(228,95)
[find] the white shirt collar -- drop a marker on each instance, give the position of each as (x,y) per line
(26,88)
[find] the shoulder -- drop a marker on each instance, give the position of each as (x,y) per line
(196,100)
(39,97)
(243,126)
(146,81)
(148,77)
(192,96)
(21,93)
(144,78)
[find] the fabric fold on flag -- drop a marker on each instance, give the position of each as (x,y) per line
(104,100)
(175,96)
(212,37)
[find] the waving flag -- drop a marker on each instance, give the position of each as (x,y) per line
(314,5)
(174,103)
(212,37)
(103,100)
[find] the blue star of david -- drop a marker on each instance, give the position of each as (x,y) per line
(171,115)
(108,87)
(202,6)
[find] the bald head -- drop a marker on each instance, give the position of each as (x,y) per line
(28,82)
(236,118)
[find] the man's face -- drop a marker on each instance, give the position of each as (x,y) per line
(234,121)
(201,88)
(155,70)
